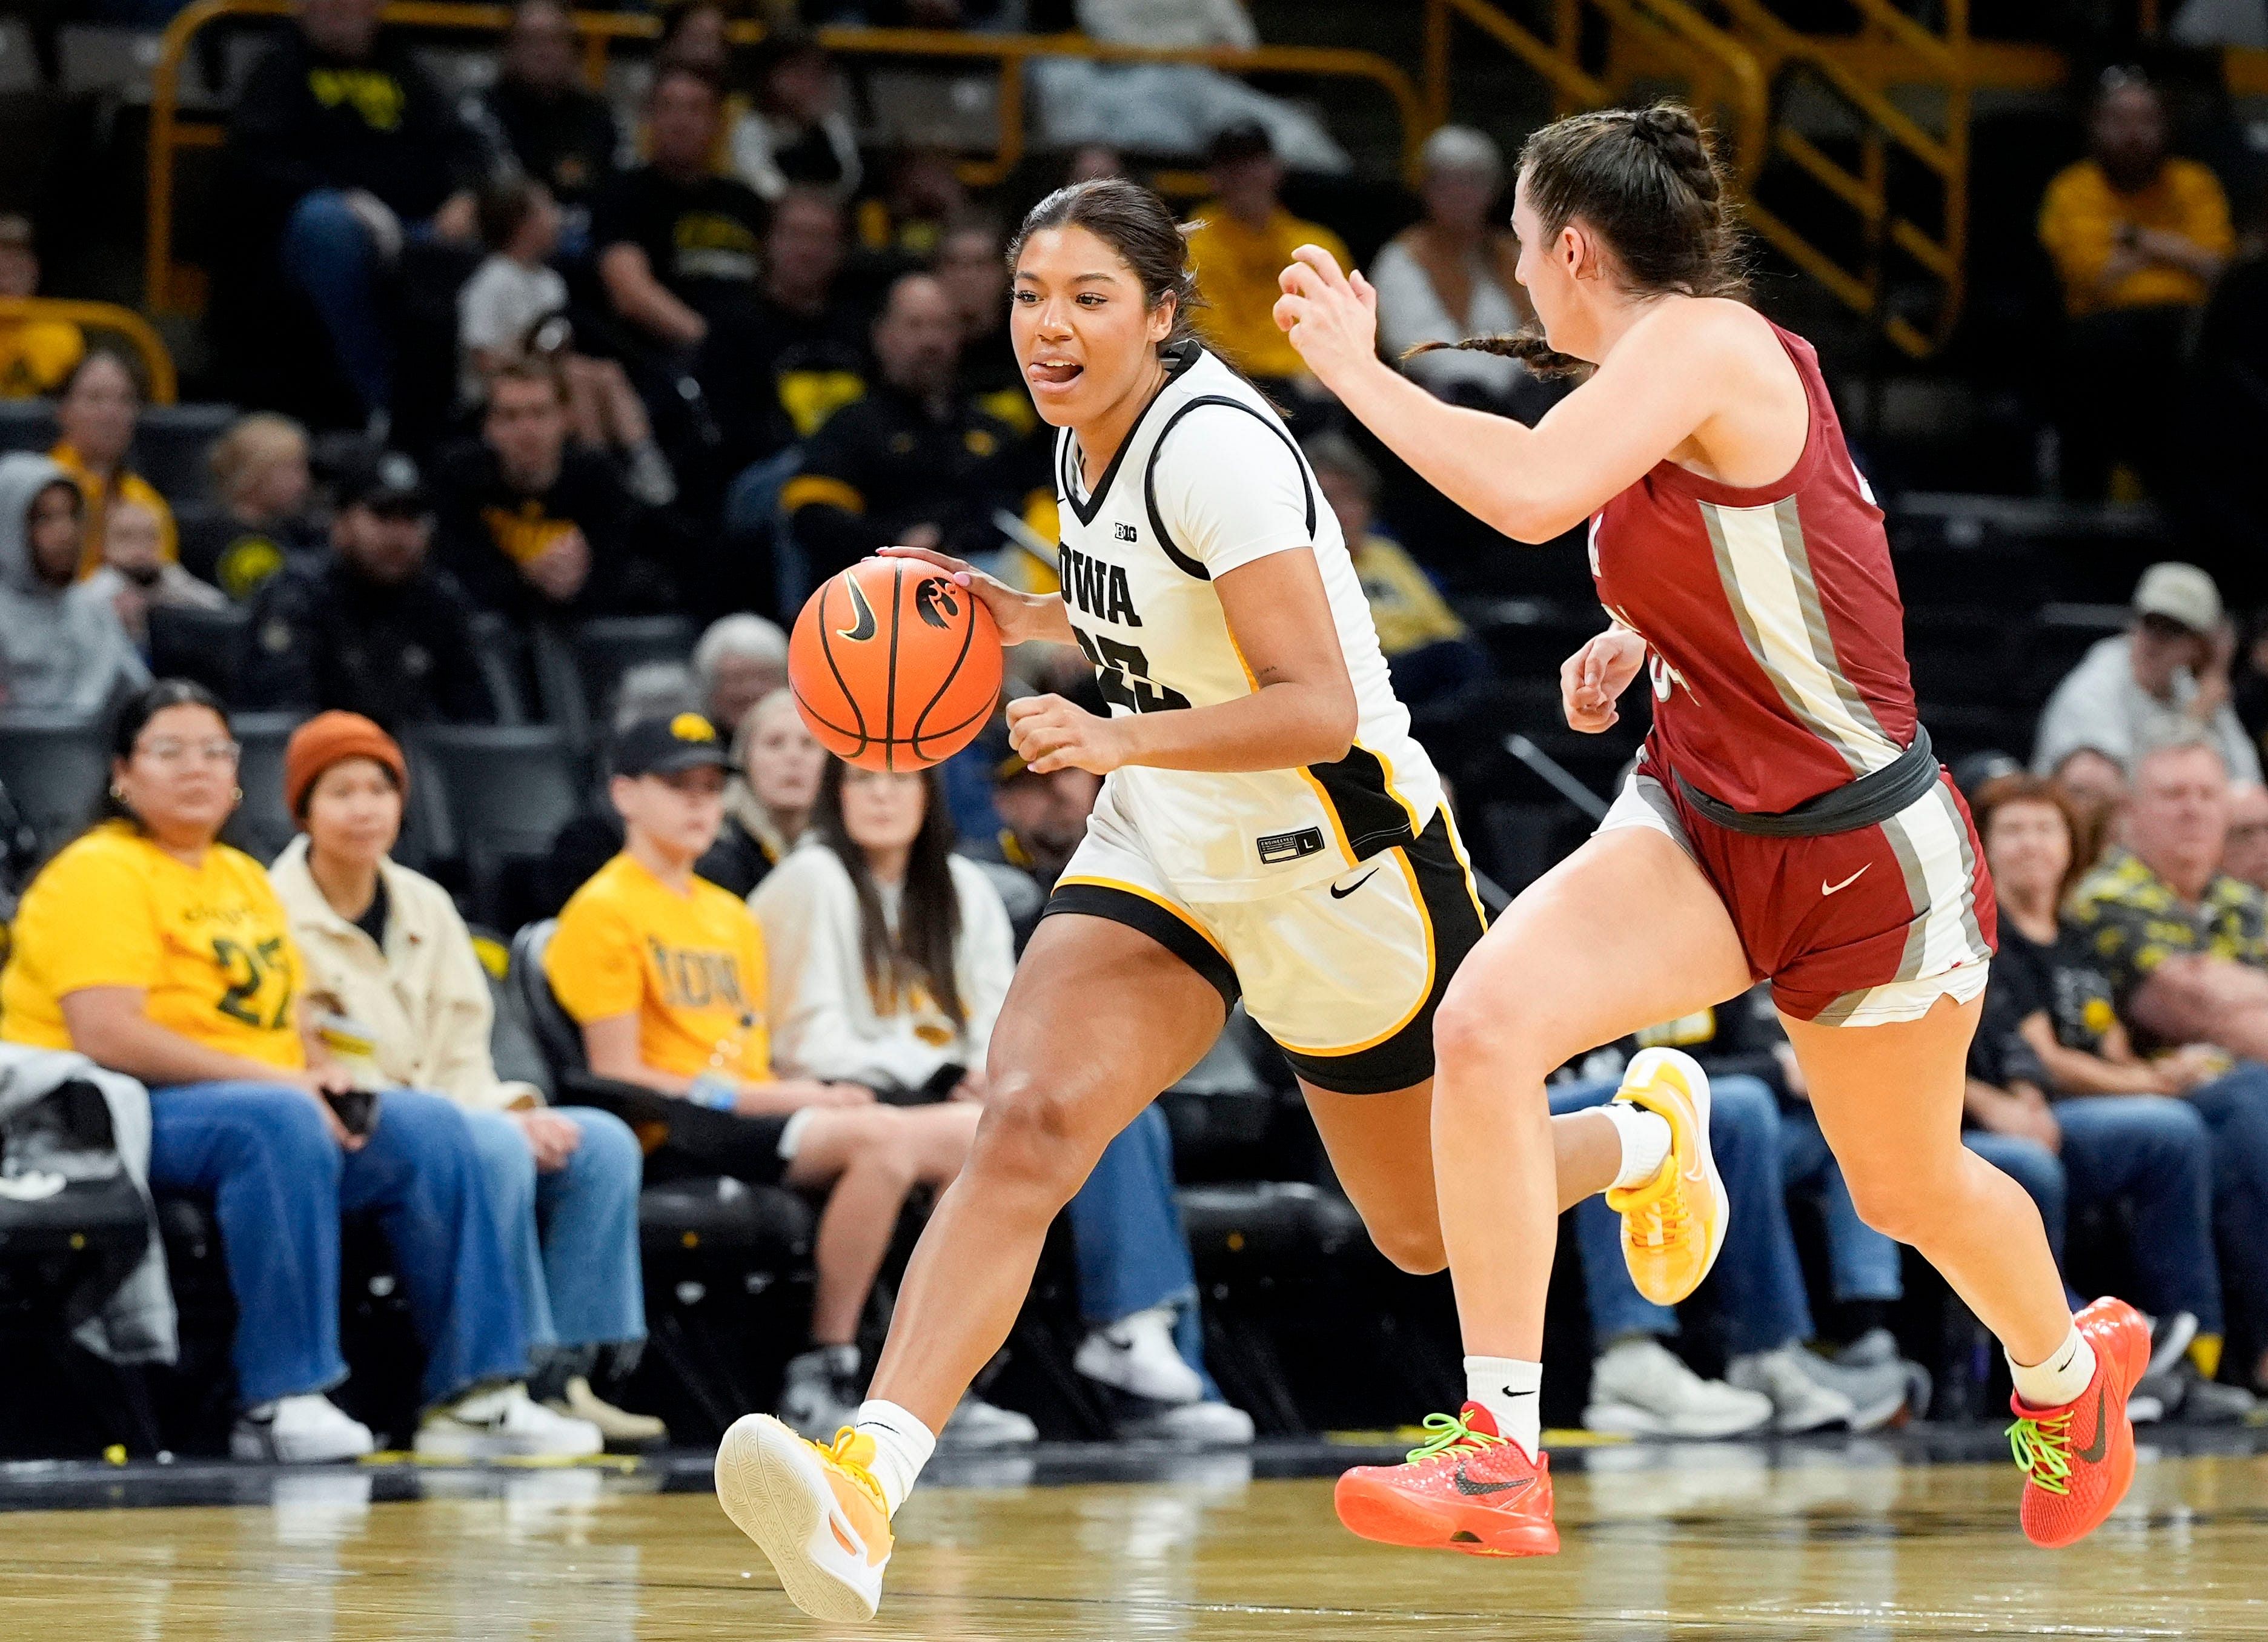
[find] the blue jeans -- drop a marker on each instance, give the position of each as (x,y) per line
(1133,1253)
(1861,1263)
(329,253)
(2236,1108)
(1765,1306)
(279,1184)
(572,1235)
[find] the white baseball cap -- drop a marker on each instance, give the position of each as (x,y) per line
(2179,593)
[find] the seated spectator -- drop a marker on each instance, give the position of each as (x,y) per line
(513,309)
(36,356)
(972,265)
(666,973)
(2246,857)
(2186,949)
(737,660)
(889,958)
(388,958)
(2138,237)
(2123,1129)
(2093,785)
(901,228)
(1243,239)
(1450,275)
(136,578)
(370,627)
(679,246)
(62,648)
(768,804)
(800,351)
(914,462)
(2167,674)
(532,528)
(101,402)
(1043,816)
(341,148)
(157,951)
(561,133)
(795,134)
(261,482)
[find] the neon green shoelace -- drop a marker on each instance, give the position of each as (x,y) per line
(2043,1448)
(1448,1433)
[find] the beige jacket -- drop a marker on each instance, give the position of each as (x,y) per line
(425,998)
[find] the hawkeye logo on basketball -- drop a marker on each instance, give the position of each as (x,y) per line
(1097,588)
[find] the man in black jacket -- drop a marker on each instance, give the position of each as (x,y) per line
(341,149)
(559,132)
(371,629)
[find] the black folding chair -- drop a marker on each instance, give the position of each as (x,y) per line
(55,766)
(189,643)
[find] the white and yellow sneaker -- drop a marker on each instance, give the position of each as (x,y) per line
(816,1512)
(1673,1225)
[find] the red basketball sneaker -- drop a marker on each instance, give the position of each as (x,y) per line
(1465,1488)
(2078,1459)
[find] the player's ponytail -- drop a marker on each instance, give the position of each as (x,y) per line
(1647,182)
(1140,226)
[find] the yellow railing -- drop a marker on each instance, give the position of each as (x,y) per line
(149,347)
(601,31)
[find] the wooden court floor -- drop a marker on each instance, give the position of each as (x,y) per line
(1715,1542)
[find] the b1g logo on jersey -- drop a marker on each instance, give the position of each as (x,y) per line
(1125,532)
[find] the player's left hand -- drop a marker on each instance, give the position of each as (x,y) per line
(1331,317)
(1049,734)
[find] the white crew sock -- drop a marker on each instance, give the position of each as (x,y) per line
(1646,1142)
(1511,1391)
(2067,1371)
(902,1446)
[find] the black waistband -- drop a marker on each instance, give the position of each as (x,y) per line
(1873,798)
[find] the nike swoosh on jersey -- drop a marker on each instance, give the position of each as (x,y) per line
(2092,1454)
(1826,889)
(1341,894)
(1466,1485)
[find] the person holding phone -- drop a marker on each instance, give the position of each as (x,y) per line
(155,950)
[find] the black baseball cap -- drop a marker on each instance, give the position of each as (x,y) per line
(387,483)
(668,746)
(1240,139)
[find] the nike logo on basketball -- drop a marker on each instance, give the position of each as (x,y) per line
(2092,1454)
(863,628)
(1826,889)
(1341,894)
(1466,1485)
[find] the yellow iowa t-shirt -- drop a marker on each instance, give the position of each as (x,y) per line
(691,965)
(1237,269)
(209,944)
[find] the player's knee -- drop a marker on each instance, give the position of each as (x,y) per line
(1411,1246)
(1476,1026)
(1903,1203)
(1031,1134)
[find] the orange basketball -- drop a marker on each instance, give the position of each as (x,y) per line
(893,665)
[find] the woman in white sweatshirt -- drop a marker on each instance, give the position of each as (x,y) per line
(888,958)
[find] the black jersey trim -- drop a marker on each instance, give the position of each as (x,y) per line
(1359,794)
(1182,560)
(1157,920)
(1178,359)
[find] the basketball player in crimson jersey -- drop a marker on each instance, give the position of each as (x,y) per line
(1787,819)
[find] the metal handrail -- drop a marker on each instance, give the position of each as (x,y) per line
(156,362)
(602,31)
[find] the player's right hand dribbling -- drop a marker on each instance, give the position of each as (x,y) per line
(1594,677)
(1021,617)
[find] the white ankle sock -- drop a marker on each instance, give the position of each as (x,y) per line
(1645,1141)
(1511,1391)
(2068,1371)
(902,1446)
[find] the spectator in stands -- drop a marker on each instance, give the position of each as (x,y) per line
(533,526)
(262,481)
(343,148)
(768,804)
(2246,857)
(665,974)
(2138,237)
(388,958)
(62,646)
(2167,674)
(679,246)
(902,227)
(796,134)
(100,404)
(915,461)
(136,578)
(1242,243)
(2185,947)
(972,265)
(2117,1123)
(888,958)
(1449,276)
(2093,783)
(36,355)
(737,660)
(370,627)
(801,354)
(561,133)
(513,309)
(157,951)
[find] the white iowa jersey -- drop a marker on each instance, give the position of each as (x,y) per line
(1208,480)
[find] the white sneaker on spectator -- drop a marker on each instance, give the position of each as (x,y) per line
(621,1428)
(978,1424)
(1877,1391)
(822,1393)
(1207,1425)
(1639,1387)
(1799,1401)
(1136,1355)
(305,1429)
(505,1422)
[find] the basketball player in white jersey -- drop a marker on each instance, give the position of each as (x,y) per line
(1267,828)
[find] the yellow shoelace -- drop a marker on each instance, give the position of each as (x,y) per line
(1450,1433)
(839,1454)
(2042,1446)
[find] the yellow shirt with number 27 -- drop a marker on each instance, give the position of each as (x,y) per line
(210,944)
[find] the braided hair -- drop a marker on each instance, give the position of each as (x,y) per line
(1646,181)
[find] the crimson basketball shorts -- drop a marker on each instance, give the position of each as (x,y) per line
(1854,929)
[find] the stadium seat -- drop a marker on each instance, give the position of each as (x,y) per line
(189,643)
(55,767)
(263,824)
(497,795)
(28,424)
(608,646)
(170,443)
